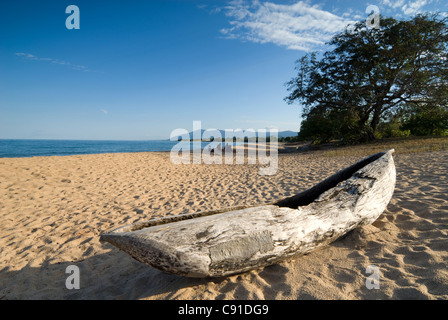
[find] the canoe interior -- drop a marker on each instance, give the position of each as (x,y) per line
(301,199)
(308,196)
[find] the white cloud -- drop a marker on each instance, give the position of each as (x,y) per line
(104,111)
(410,7)
(29,56)
(209,9)
(393,4)
(298,26)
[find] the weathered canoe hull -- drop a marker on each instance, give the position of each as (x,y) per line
(220,244)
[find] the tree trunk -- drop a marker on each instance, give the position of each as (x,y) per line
(375,122)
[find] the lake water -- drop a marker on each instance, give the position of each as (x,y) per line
(32,148)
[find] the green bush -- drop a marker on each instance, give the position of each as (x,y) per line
(392,129)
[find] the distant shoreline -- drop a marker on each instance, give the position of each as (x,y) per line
(23,148)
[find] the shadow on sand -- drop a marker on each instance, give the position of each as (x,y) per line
(115,275)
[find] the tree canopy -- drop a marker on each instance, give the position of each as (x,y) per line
(395,75)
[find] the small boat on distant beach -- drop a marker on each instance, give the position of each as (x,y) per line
(234,240)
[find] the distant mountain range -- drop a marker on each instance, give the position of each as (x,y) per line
(288,133)
(281,134)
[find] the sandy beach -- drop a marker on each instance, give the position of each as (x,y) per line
(53,210)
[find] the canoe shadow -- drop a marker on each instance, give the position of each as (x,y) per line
(107,276)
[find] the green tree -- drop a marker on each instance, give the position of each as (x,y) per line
(427,120)
(369,74)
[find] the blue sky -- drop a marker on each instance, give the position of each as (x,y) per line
(140,69)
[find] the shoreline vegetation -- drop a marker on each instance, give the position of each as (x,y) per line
(401,146)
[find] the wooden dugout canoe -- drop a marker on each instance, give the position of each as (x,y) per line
(234,240)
